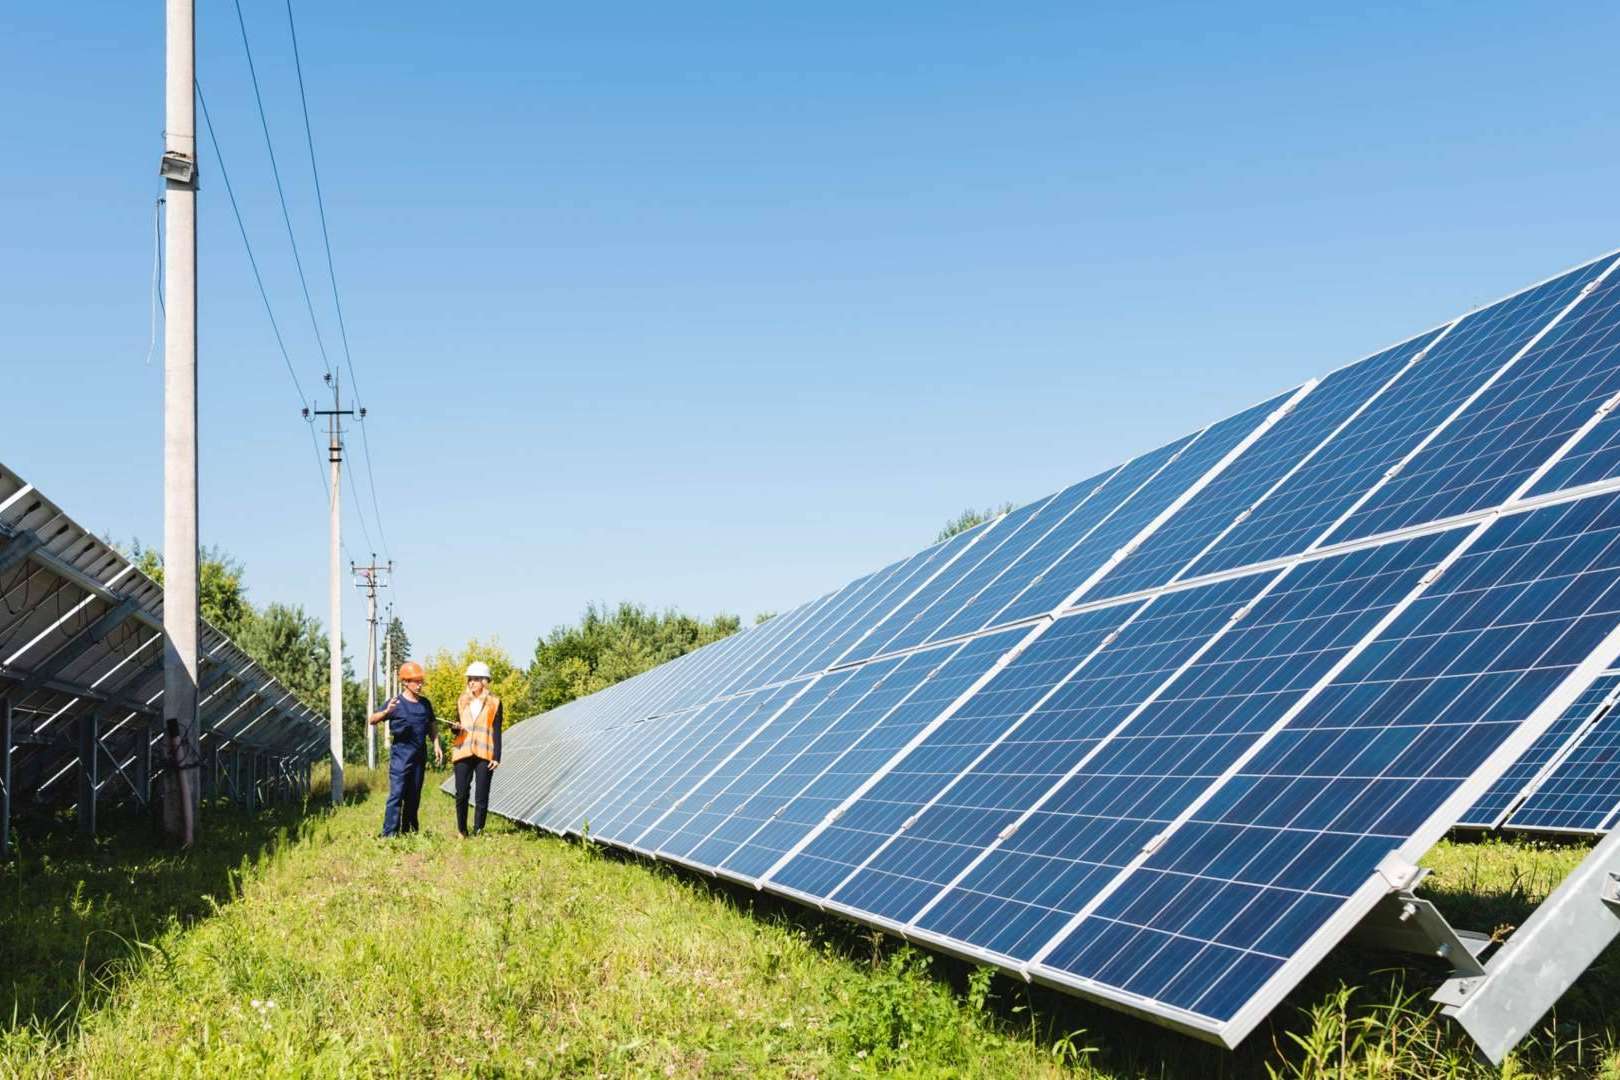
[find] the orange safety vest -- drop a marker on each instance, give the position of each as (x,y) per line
(477,735)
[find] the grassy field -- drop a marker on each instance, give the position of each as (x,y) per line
(327,952)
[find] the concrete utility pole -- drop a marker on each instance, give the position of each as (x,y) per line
(179,171)
(370,579)
(334,583)
(388,668)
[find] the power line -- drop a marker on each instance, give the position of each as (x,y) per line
(275,170)
(258,279)
(331,272)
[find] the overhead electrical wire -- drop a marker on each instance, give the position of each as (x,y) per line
(331,272)
(264,295)
(275,170)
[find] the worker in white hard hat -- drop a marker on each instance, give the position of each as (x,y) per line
(476,734)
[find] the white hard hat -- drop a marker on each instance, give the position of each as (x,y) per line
(478,670)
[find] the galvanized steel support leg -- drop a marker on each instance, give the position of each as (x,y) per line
(143,764)
(1534,967)
(89,772)
(5,777)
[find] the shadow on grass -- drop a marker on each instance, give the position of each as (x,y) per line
(77,915)
(1371,995)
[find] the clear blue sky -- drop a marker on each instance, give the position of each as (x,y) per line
(718,306)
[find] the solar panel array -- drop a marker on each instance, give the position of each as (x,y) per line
(81,643)
(1163,738)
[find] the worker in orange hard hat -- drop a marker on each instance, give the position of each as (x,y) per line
(413,725)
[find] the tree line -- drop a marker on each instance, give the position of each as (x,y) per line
(606,645)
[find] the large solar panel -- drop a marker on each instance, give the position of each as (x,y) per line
(1164,737)
(81,678)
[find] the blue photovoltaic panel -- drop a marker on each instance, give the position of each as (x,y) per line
(1082,834)
(1595,334)
(1513,428)
(870,693)
(1583,791)
(829,647)
(1221,905)
(846,606)
(1319,494)
(1489,810)
(1086,708)
(1173,798)
(727,782)
(1117,488)
(914,621)
(930,770)
(640,786)
(1178,541)
(1089,556)
(847,754)
(678,771)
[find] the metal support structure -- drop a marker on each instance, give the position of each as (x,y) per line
(143,764)
(334,629)
(5,777)
(180,584)
(89,770)
(1542,958)
(1404,922)
(371,578)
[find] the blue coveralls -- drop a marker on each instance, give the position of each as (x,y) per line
(407,765)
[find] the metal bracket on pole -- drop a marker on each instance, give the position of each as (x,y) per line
(1534,967)
(1408,923)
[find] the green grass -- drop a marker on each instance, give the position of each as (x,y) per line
(327,952)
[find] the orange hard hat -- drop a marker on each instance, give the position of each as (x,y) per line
(409,670)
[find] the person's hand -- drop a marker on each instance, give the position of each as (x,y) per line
(393,703)
(494,765)
(438,754)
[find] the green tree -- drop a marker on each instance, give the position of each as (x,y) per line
(606,646)
(220,592)
(968,518)
(446,678)
(399,641)
(760,618)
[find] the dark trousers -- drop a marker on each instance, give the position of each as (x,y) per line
(407,768)
(467,770)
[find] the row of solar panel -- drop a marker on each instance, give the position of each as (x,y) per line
(80,635)
(1001,796)
(1446,424)
(1289,645)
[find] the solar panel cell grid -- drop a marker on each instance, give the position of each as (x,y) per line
(1515,425)
(1499,798)
(1582,793)
(728,781)
(991,795)
(1178,477)
(847,754)
(1093,824)
(1361,769)
(933,766)
(1116,491)
(1455,366)
(1285,447)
